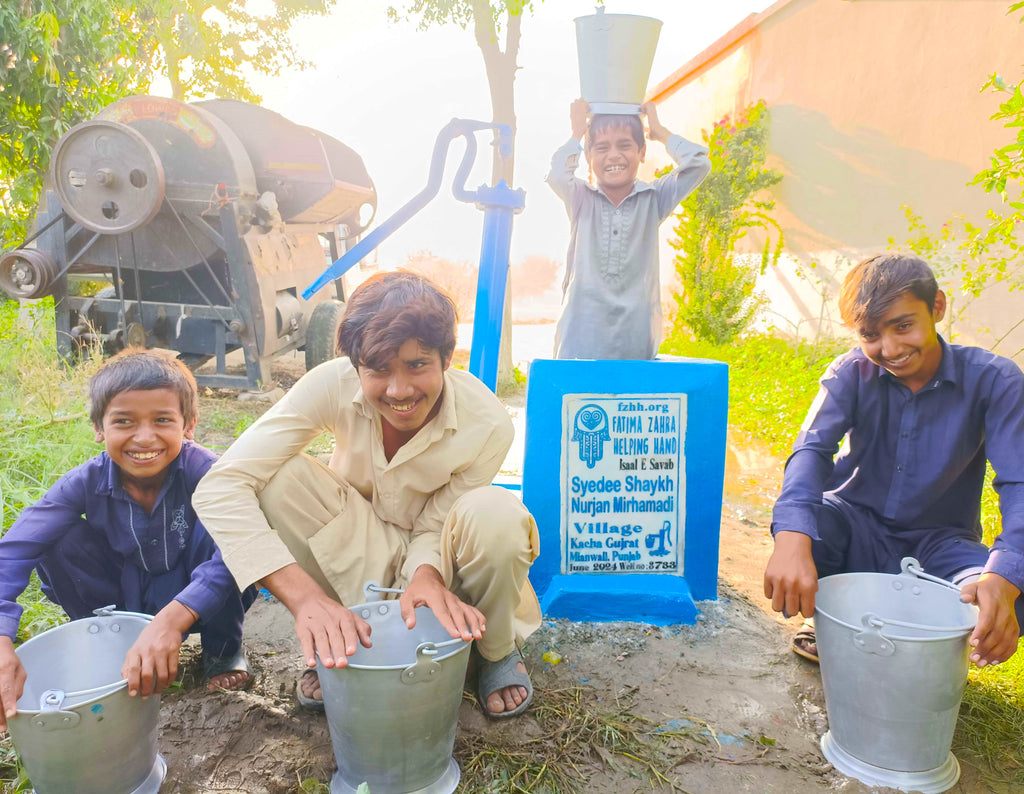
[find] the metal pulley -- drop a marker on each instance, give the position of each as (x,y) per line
(109,177)
(27,273)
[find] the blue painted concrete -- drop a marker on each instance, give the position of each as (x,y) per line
(658,598)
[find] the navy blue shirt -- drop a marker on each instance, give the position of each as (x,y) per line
(153,542)
(917,461)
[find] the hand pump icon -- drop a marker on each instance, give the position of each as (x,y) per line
(662,539)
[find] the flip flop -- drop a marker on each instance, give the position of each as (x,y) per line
(218,665)
(498,675)
(805,642)
(311,704)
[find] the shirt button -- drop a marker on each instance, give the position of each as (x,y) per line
(152,542)
(899,467)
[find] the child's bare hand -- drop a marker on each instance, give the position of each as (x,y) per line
(578,111)
(460,620)
(791,579)
(12,681)
(994,639)
(656,131)
(151,664)
(329,629)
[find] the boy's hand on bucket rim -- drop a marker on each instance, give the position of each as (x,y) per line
(331,630)
(151,664)
(459,619)
(790,578)
(578,111)
(12,680)
(994,639)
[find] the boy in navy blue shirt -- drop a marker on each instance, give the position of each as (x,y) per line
(120,529)
(917,419)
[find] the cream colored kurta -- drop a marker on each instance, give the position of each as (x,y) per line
(459,450)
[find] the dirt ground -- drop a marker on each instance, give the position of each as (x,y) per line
(758,707)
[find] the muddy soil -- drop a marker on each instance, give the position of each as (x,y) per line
(758,707)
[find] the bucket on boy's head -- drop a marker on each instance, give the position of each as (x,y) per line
(392,710)
(893,651)
(76,729)
(615,52)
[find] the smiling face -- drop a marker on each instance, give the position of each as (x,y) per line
(143,431)
(615,159)
(407,391)
(905,341)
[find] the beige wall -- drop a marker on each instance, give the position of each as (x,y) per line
(875,104)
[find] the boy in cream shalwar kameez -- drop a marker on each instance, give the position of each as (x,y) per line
(405,501)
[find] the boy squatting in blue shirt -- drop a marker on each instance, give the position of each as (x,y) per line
(611,304)
(919,418)
(120,529)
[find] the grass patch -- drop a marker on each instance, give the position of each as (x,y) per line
(573,736)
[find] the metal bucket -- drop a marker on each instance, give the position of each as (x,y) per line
(392,711)
(615,52)
(893,652)
(76,729)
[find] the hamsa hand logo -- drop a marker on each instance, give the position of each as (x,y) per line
(590,429)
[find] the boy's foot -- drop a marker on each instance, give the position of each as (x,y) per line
(503,687)
(230,673)
(308,692)
(805,643)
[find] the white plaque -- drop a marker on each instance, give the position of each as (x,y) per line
(623,483)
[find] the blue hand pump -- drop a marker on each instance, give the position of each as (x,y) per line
(499,203)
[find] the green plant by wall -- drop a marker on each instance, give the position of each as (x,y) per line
(717,301)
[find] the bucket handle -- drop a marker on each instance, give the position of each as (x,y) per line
(911,567)
(425,665)
(53,699)
(372,590)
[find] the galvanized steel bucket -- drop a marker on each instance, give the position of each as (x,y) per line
(76,729)
(393,710)
(893,652)
(615,52)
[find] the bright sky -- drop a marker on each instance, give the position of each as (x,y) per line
(386,90)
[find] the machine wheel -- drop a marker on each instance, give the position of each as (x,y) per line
(27,273)
(322,333)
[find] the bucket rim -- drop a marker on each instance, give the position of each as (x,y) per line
(618,16)
(457,649)
(106,690)
(892,630)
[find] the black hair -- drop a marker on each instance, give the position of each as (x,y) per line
(138,369)
(877,282)
(387,310)
(606,121)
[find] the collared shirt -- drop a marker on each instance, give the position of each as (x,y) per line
(460,449)
(611,295)
(916,461)
(153,541)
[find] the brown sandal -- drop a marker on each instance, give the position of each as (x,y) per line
(805,643)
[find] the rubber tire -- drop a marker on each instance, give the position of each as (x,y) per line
(322,332)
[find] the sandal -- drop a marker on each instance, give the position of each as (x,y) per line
(218,665)
(805,642)
(498,675)
(304,701)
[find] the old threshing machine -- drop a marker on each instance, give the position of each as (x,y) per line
(208,219)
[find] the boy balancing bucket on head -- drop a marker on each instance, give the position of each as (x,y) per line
(616,52)
(76,729)
(893,652)
(392,710)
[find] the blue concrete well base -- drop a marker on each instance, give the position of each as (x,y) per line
(641,598)
(623,473)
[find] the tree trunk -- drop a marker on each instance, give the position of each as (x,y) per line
(501,75)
